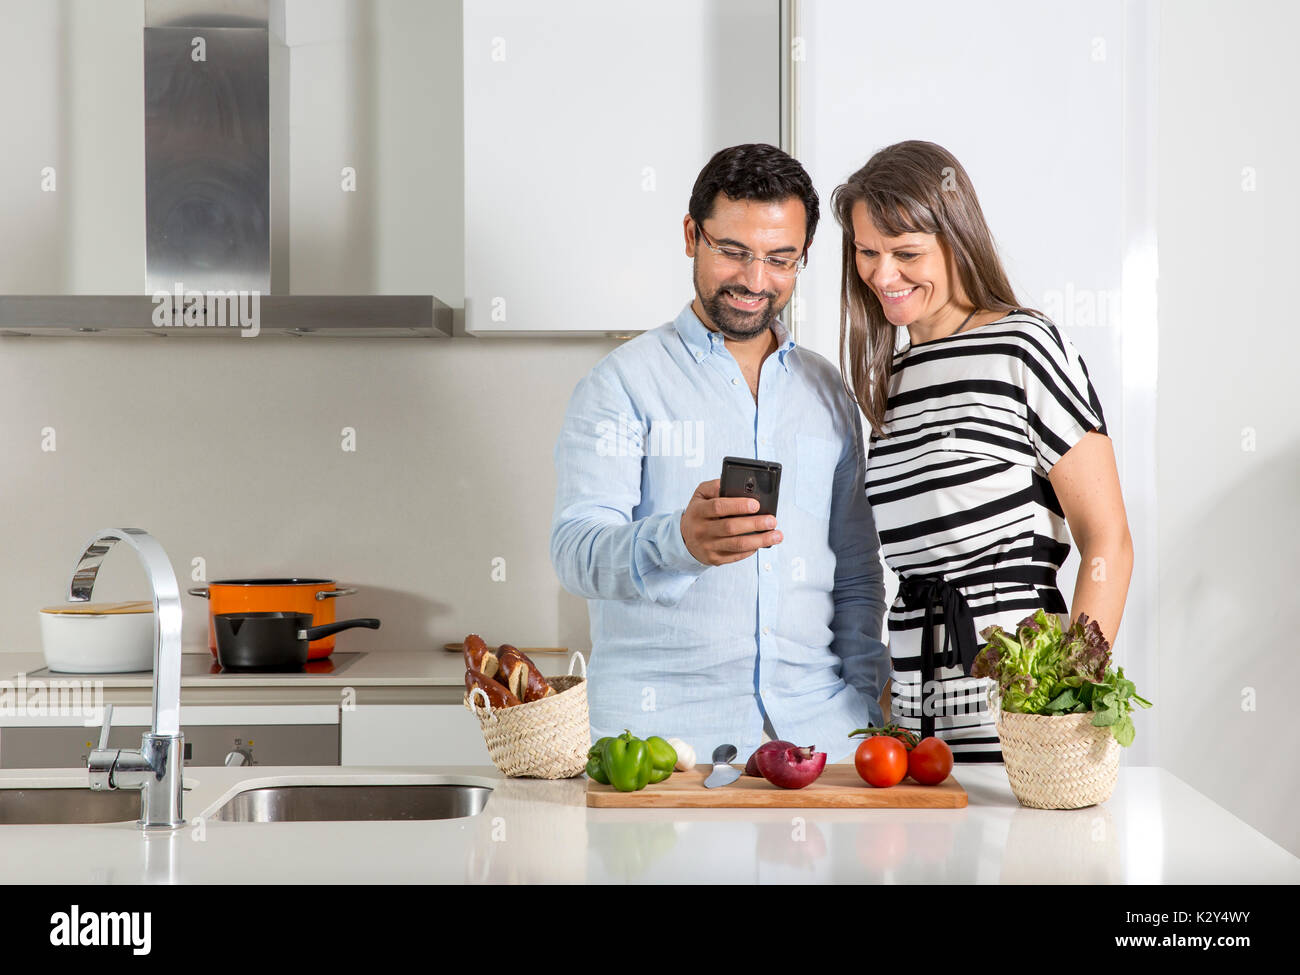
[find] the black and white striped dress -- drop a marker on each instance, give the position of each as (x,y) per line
(962,502)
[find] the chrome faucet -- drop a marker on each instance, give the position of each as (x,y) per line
(156,768)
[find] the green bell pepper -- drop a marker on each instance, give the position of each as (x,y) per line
(627,762)
(596,762)
(663,758)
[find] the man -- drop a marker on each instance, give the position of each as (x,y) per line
(710,623)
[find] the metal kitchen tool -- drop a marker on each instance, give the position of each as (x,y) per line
(722,774)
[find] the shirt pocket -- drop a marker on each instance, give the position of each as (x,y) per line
(816,460)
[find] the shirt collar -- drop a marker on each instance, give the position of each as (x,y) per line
(700,341)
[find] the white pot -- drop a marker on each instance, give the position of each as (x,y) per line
(98,638)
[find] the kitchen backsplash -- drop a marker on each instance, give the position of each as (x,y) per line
(233,453)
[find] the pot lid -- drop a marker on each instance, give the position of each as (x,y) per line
(272,582)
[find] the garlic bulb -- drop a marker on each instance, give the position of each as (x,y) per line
(685,755)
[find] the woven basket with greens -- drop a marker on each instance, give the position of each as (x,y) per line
(1042,669)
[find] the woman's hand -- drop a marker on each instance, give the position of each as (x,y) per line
(1086,482)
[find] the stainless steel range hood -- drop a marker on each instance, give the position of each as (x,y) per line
(216,98)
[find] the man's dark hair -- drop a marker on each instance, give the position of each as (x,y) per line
(755,171)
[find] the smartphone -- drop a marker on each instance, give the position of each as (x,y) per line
(744,477)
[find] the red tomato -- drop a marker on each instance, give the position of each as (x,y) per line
(930,762)
(881,761)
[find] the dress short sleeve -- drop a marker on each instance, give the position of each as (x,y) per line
(1061,404)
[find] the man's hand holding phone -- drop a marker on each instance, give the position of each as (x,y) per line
(719,530)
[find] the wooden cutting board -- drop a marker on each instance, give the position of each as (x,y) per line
(460,648)
(839,787)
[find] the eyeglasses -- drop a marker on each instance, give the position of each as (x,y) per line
(781,267)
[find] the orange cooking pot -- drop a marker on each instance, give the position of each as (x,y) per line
(312,596)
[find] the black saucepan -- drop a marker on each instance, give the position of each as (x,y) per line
(266,641)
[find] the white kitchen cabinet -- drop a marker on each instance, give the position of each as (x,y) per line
(411,734)
(586,124)
(277,734)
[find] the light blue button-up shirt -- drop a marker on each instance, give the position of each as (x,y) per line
(704,653)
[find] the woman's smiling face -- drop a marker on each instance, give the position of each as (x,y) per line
(910,274)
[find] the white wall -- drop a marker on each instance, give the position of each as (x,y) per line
(1228,457)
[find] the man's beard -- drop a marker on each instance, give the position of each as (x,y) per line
(732,322)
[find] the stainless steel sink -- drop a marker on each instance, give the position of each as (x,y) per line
(334,803)
(31,807)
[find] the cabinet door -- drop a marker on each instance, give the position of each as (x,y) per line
(411,734)
(586,124)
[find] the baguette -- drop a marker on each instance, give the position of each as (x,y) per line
(513,670)
(498,695)
(479,657)
(538,686)
(522,675)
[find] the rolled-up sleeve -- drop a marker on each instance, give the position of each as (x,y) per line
(598,550)
(859,577)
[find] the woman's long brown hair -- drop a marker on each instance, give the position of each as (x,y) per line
(909,187)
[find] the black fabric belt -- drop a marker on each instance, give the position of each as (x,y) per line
(961,645)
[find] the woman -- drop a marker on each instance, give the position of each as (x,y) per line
(987,440)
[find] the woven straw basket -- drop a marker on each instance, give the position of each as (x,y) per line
(544,739)
(1058,761)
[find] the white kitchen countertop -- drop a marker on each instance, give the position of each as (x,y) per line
(1154,829)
